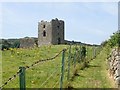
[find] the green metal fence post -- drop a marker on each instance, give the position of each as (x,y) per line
(93,52)
(22,78)
(86,54)
(62,70)
(74,59)
(69,57)
(80,52)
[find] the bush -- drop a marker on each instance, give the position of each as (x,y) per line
(113,41)
(6,44)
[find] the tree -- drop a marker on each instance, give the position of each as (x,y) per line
(16,44)
(114,40)
(5,45)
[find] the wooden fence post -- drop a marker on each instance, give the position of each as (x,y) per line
(22,78)
(62,70)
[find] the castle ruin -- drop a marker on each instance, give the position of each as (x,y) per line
(50,32)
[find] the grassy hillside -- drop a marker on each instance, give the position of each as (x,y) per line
(13,59)
(37,75)
(95,75)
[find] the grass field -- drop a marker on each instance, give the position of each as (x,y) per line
(37,75)
(95,75)
(12,60)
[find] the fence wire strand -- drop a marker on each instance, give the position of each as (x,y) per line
(10,79)
(49,78)
(44,60)
(55,84)
(27,67)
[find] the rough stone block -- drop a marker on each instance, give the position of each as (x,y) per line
(117,58)
(118,80)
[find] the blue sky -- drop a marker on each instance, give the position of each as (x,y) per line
(89,22)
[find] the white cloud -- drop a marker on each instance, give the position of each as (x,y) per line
(111,8)
(108,7)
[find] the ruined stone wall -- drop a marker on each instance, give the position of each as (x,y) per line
(114,65)
(28,42)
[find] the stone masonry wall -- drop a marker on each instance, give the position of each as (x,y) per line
(114,65)
(28,42)
(44,26)
(57,31)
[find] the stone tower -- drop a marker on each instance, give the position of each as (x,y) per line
(50,32)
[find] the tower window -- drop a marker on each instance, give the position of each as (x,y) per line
(58,27)
(43,26)
(44,33)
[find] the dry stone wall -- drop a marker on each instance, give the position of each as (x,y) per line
(114,65)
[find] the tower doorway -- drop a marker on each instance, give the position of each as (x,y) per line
(59,41)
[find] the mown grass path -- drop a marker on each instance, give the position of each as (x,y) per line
(95,75)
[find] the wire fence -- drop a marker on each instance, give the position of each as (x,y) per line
(27,67)
(59,77)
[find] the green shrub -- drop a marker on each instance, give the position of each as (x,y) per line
(113,41)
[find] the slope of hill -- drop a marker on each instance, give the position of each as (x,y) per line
(45,74)
(95,75)
(14,58)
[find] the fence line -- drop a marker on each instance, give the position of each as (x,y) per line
(10,79)
(50,76)
(44,60)
(62,69)
(27,67)
(77,57)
